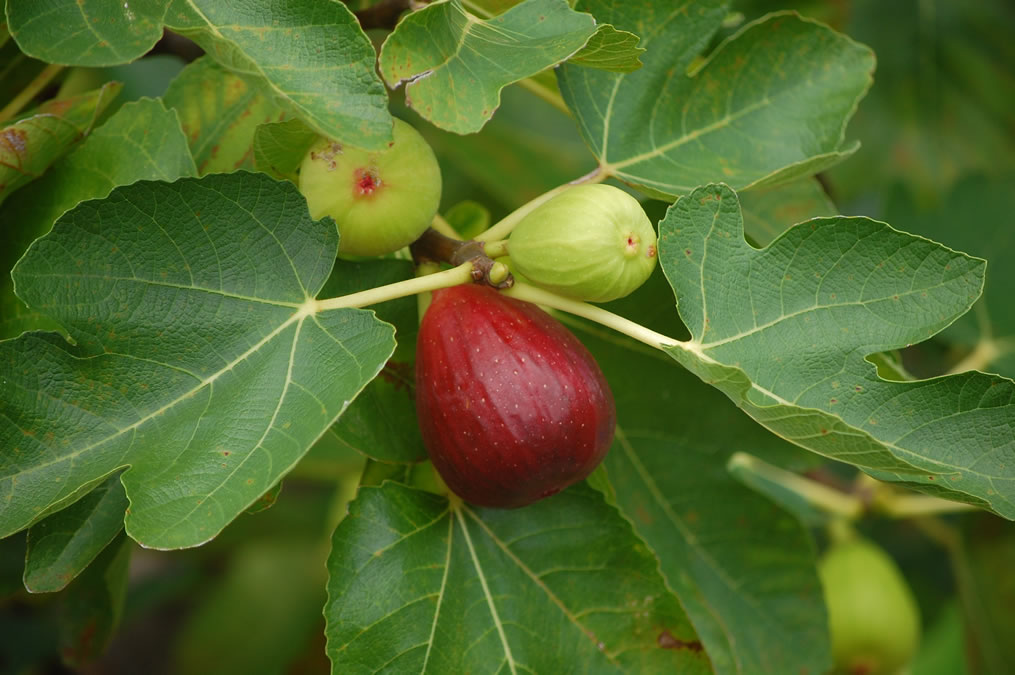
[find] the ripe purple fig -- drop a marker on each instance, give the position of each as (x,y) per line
(512,406)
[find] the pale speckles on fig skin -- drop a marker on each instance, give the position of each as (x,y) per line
(512,407)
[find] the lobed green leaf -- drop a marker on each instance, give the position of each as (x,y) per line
(419,585)
(743,568)
(86,32)
(785,332)
(311,56)
(199,360)
(768,105)
(455,65)
(142,140)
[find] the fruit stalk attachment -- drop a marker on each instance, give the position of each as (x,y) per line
(432,246)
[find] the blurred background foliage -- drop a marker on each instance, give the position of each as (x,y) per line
(937,158)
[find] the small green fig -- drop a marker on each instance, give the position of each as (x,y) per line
(873,619)
(381,200)
(592,242)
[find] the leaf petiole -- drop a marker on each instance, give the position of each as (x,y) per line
(431,282)
(592,313)
(825,498)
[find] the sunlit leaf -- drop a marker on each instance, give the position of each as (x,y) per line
(219,112)
(610,49)
(311,56)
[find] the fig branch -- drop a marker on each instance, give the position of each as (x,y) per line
(432,246)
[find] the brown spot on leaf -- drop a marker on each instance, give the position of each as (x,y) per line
(667,641)
(15,140)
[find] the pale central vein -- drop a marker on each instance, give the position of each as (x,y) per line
(489,597)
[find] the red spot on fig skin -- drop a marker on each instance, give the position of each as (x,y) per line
(512,407)
(367,182)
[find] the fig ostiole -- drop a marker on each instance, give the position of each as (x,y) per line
(874,622)
(511,406)
(591,242)
(381,200)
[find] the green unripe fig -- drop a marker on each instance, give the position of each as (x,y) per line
(382,200)
(873,619)
(592,242)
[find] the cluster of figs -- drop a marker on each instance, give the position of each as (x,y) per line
(512,407)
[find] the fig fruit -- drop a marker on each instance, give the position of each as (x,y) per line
(873,619)
(512,407)
(591,242)
(381,200)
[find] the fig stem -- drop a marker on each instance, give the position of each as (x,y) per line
(444,227)
(817,494)
(986,352)
(503,227)
(431,282)
(911,506)
(496,249)
(592,313)
(436,247)
(423,299)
